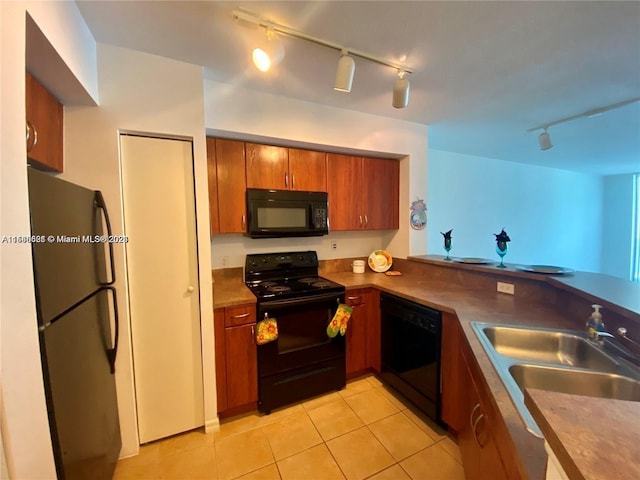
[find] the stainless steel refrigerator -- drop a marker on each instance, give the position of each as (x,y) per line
(78,324)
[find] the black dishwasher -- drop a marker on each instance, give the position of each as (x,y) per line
(410,343)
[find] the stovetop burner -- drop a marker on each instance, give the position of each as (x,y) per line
(279,288)
(286,275)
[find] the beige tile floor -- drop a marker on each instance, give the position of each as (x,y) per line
(364,431)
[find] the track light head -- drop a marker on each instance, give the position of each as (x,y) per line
(344,73)
(544,139)
(401,90)
(270,52)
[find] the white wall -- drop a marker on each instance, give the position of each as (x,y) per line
(23,415)
(553,217)
(617,228)
(242,113)
(143,93)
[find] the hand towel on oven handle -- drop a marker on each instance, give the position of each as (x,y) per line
(340,320)
(266,330)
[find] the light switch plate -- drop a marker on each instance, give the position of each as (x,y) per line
(509,288)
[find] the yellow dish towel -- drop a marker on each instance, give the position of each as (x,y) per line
(340,321)
(266,331)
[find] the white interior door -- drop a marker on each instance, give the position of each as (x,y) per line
(162,272)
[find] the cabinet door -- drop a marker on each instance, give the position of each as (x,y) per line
(357,333)
(213,185)
(307,170)
(381,179)
(453,373)
(480,456)
(344,184)
(232,202)
(221,358)
(242,365)
(267,167)
(470,405)
(45,123)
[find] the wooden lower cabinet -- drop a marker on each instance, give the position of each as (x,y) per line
(480,456)
(236,358)
(466,407)
(363,334)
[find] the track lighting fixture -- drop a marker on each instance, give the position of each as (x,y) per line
(269,52)
(544,139)
(346,64)
(344,73)
(400,90)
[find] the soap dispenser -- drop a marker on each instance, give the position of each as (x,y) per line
(594,323)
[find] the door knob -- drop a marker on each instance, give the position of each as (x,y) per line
(190,289)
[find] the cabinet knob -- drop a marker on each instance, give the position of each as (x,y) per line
(190,288)
(293,181)
(286,180)
(244,223)
(366,221)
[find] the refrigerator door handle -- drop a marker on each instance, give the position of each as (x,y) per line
(112,353)
(100,203)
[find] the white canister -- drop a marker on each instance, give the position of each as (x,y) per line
(358,266)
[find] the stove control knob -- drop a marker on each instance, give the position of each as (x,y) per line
(300,257)
(264,260)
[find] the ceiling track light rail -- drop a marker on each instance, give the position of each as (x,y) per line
(346,65)
(251,18)
(544,139)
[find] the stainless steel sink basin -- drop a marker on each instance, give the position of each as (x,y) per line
(555,360)
(592,384)
(548,346)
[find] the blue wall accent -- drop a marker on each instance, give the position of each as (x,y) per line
(617,225)
(554,217)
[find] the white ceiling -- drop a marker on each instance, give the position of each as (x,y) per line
(484,72)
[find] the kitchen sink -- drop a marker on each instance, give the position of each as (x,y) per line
(555,360)
(548,346)
(564,380)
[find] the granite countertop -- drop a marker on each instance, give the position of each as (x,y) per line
(576,429)
(615,293)
(468,304)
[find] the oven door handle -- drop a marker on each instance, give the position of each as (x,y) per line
(292,302)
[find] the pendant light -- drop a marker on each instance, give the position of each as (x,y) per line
(344,73)
(401,90)
(269,52)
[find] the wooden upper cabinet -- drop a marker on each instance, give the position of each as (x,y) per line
(363,193)
(307,170)
(231,186)
(281,168)
(345,191)
(44,126)
(267,166)
(381,178)
(213,185)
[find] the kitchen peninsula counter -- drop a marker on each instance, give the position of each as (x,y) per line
(470,294)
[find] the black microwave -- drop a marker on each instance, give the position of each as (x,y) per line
(285,213)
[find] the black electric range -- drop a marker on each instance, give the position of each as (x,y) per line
(303,361)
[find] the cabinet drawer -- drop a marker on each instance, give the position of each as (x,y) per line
(241,315)
(354,298)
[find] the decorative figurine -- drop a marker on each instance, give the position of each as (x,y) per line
(501,246)
(447,242)
(418,217)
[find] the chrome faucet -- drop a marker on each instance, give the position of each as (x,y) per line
(599,334)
